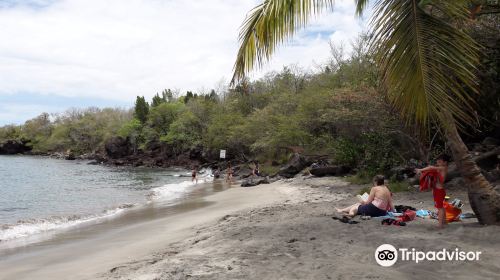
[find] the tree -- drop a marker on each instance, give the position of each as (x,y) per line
(167,95)
(189,95)
(141,110)
(427,62)
(157,100)
(161,117)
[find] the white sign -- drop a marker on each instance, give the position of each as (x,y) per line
(222,153)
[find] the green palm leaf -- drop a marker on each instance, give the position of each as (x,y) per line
(427,63)
(269,25)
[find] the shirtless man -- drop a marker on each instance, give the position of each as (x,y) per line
(438,191)
(229,174)
(194,175)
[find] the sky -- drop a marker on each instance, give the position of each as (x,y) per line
(58,54)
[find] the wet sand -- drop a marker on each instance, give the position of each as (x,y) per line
(283,230)
(81,253)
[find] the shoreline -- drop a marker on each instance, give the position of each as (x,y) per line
(36,225)
(98,252)
(283,230)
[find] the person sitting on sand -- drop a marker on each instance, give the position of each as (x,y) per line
(378,203)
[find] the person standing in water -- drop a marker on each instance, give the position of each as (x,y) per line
(194,175)
(229,173)
(255,170)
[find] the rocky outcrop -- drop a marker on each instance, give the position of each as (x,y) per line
(119,151)
(12,147)
(296,164)
(455,183)
(118,147)
(330,171)
(254,181)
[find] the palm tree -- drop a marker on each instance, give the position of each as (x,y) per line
(427,63)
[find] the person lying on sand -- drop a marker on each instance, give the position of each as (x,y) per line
(378,203)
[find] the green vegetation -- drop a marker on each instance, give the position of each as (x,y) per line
(421,57)
(269,169)
(428,64)
(359,178)
(77,130)
(398,186)
(338,112)
(334,112)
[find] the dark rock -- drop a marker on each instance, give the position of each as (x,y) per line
(117,147)
(137,163)
(254,182)
(456,183)
(477,148)
(296,164)
(497,188)
(490,141)
(69,155)
(452,172)
(488,160)
(330,171)
(12,147)
(493,175)
(242,171)
(402,172)
(196,152)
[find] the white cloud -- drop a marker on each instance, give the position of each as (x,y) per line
(118,49)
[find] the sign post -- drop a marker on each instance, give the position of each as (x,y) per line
(222,153)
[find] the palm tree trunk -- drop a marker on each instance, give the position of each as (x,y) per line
(484,200)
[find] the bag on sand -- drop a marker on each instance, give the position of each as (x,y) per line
(408,215)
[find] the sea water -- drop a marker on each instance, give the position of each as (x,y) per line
(39,194)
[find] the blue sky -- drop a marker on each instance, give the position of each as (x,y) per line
(57,54)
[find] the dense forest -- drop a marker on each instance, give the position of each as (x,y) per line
(337,112)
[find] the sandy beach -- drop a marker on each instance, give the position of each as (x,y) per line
(283,230)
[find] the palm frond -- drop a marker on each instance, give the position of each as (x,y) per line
(428,64)
(361,6)
(269,25)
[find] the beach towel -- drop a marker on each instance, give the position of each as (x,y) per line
(429,179)
(422,213)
